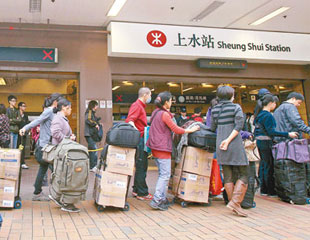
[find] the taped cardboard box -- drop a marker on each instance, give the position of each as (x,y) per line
(110,189)
(194,188)
(9,163)
(196,160)
(7,193)
(121,160)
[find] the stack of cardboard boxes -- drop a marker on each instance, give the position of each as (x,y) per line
(191,179)
(112,182)
(9,172)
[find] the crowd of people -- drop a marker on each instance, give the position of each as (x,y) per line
(223,117)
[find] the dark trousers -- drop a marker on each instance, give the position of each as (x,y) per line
(93,156)
(140,186)
(266,172)
(41,172)
(22,141)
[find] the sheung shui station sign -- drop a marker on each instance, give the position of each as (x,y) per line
(179,42)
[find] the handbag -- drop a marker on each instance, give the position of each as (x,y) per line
(296,150)
(48,152)
(216,184)
(251,150)
(96,134)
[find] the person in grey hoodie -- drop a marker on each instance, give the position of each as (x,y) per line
(44,120)
(288,118)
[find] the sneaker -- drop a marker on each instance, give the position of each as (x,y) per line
(57,202)
(94,169)
(167,202)
(145,198)
(24,166)
(159,206)
(134,194)
(70,208)
(40,197)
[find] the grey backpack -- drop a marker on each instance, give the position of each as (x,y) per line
(70,174)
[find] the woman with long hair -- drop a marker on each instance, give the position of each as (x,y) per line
(91,121)
(265,131)
(160,142)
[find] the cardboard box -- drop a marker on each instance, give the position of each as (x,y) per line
(121,160)
(7,193)
(194,188)
(174,182)
(9,163)
(110,189)
(197,161)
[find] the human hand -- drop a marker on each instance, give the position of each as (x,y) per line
(193,129)
(224,145)
(72,137)
(22,131)
(97,126)
(293,134)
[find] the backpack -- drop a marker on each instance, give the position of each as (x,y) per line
(123,135)
(203,138)
(70,175)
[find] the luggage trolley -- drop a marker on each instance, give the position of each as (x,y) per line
(102,162)
(17,199)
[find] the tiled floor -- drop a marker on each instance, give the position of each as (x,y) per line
(271,219)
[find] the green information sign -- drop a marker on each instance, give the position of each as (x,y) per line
(24,54)
(222,64)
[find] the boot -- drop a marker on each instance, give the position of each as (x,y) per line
(237,198)
(229,188)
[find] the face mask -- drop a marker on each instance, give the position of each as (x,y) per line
(148,100)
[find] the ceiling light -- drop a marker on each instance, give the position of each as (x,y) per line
(116,87)
(206,85)
(269,16)
(116,7)
(212,7)
(153,89)
(281,87)
(187,89)
(2,81)
(127,83)
(243,86)
(171,84)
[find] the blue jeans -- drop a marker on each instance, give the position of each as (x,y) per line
(164,170)
(13,140)
(41,172)
(93,156)
(140,186)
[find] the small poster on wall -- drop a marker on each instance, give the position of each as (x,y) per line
(102,104)
(109,104)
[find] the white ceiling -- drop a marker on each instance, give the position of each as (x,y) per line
(232,14)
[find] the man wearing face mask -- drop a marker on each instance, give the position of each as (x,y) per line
(137,118)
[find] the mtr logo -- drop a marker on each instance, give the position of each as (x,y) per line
(156,38)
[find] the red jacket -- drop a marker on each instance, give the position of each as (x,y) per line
(137,115)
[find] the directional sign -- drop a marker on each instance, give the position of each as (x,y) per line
(23,54)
